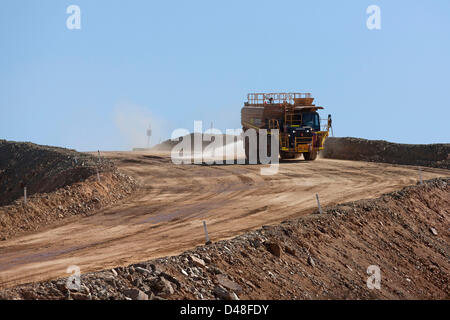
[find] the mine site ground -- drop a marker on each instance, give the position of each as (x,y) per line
(164,216)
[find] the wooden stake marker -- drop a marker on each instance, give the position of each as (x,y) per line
(208,241)
(318,204)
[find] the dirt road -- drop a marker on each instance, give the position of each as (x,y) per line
(165,216)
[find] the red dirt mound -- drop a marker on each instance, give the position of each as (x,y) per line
(42,168)
(60,183)
(427,155)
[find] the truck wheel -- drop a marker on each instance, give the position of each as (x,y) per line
(287,155)
(310,156)
(267,151)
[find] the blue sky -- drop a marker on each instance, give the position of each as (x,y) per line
(173,62)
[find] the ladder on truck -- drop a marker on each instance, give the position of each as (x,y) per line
(283,138)
(290,119)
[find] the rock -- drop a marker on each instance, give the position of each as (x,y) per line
(311,262)
(184,272)
(199,296)
(255,243)
(162,287)
(197,261)
(135,294)
(61,286)
(137,282)
(142,265)
(171,279)
(30,295)
(144,287)
(155,269)
(227,283)
(110,280)
(142,270)
(273,248)
(114,272)
(80,296)
(433,231)
(215,270)
(250,284)
(289,250)
(221,293)
(84,289)
(233,296)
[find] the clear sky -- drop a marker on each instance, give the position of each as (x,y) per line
(173,62)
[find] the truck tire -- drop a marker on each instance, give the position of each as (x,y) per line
(290,155)
(310,156)
(286,155)
(268,150)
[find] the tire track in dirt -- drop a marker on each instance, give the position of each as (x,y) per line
(164,216)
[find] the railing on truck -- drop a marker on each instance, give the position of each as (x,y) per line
(276,98)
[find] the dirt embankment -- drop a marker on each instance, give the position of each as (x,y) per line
(428,155)
(60,183)
(41,168)
(405,233)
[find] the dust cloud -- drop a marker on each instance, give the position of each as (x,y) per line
(133,121)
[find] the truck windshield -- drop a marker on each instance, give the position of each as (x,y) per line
(311,119)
